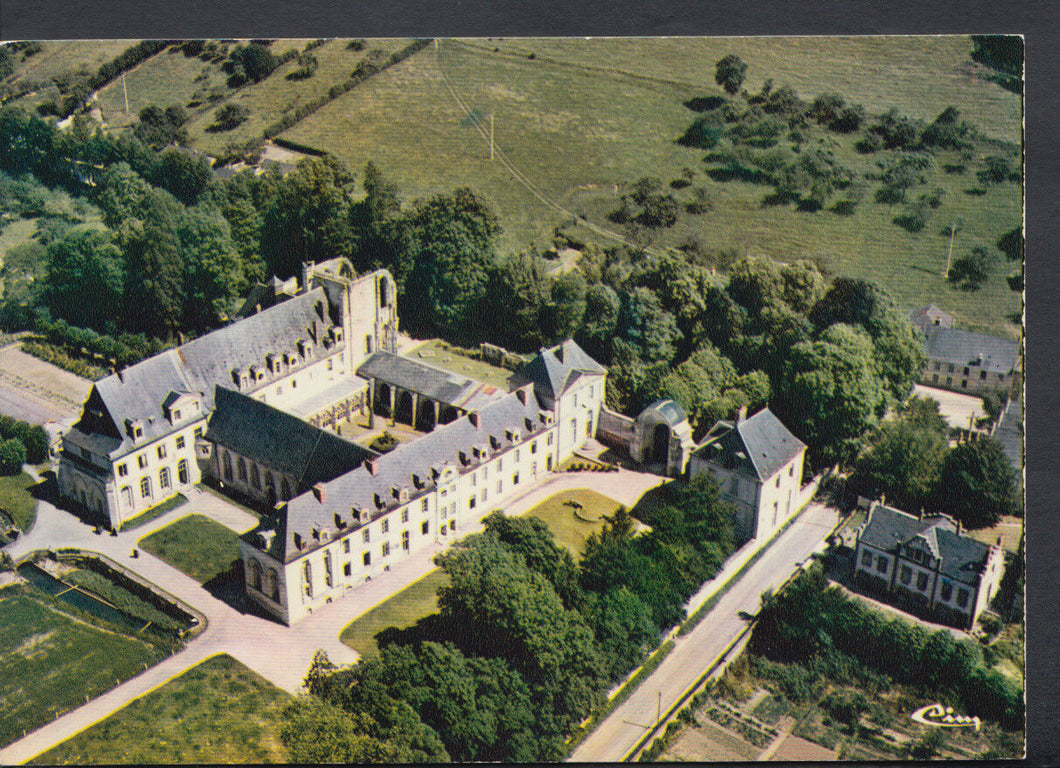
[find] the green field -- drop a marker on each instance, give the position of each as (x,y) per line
(581,120)
(570,531)
(216,712)
(403,609)
(17,500)
(50,661)
(441,355)
(195,545)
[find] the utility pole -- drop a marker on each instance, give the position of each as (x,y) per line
(949,250)
(491,135)
(658,708)
(125,93)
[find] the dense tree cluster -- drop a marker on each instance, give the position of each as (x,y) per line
(815,625)
(32,439)
(526,641)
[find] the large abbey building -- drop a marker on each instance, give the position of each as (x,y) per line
(141,436)
(249,407)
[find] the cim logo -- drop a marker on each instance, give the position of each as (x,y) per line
(943,717)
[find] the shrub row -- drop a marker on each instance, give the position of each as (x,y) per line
(363,72)
(60,359)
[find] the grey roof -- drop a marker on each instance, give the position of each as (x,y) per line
(929,316)
(412,375)
(1009,431)
(280,441)
(758,446)
(139,391)
(962,558)
(409,466)
(960,347)
(553,371)
(666,410)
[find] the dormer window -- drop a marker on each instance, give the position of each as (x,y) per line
(303,348)
(513,435)
(134,428)
(418,480)
(494,442)
(339,522)
(337,330)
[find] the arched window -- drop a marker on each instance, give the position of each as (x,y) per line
(163,478)
(145,488)
(241,467)
(227,463)
(307,578)
(182,472)
(329,579)
(255,574)
(274,585)
(255,476)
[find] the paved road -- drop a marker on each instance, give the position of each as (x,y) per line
(280,654)
(693,653)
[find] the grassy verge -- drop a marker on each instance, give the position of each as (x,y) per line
(570,530)
(621,694)
(51,661)
(216,712)
(195,545)
(18,501)
(406,607)
(155,512)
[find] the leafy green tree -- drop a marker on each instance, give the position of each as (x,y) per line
(624,630)
(531,538)
(12,456)
(803,285)
(154,267)
(85,277)
(565,310)
(599,322)
(730,72)
(228,117)
(214,273)
(158,127)
(182,175)
(971,270)
(651,330)
(756,282)
(120,194)
(830,392)
(977,484)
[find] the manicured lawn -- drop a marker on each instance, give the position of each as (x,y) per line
(49,661)
(403,609)
(441,355)
(155,512)
(571,531)
(216,712)
(17,500)
(195,545)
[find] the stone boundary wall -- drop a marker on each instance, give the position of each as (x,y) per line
(614,429)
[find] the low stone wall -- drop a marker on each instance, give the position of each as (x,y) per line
(614,429)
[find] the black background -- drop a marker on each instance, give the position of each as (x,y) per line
(1036,20)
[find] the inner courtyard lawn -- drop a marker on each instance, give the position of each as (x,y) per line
(216,712)
(50,660)
(439,354)
(403,609)
(195,545)
(570,530)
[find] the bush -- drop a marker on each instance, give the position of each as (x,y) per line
(12,457)
(385,443)
(228,117)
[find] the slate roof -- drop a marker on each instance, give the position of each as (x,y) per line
(553,371)
(1009,431)
(962,557)
(395,470)
(139,391)
(278,440)
(960,347)
(412,375)
(671,413)
(929,316)
(757,446)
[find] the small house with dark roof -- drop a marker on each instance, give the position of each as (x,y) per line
(929,316)
(926,565)
(758,464)
(354,527)
(968,362)
(571,384)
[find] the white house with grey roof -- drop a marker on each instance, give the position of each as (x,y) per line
(926,565)
(758,464)
(139,438)
(354,527)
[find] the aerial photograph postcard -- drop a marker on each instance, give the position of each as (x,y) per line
(512,400)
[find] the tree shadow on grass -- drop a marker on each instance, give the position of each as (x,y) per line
(433,627)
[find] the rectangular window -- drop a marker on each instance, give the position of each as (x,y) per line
(966,370)
(198,432)
(938,366)
(367,558)
(515,479)
(548,439)
(533,447)
(423,506)
(881,564)
(426,527)
(162,451)
(142,460)
(386,548)
(452,525)
(123,470)
(866,558)
(180,442)
(950,369)
(405,515)
(346,546)
(906,574)
(405,540)
(934,378)
(921,581)
(366,536)
(778,481)
(346,569)
(947,591)
(385,527)
(500,486)
(791,471)
(964,384)
(962,597)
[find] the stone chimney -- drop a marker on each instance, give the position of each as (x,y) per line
(523,393)
(475,418)
(373,466)
(320,492)
(741,415)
